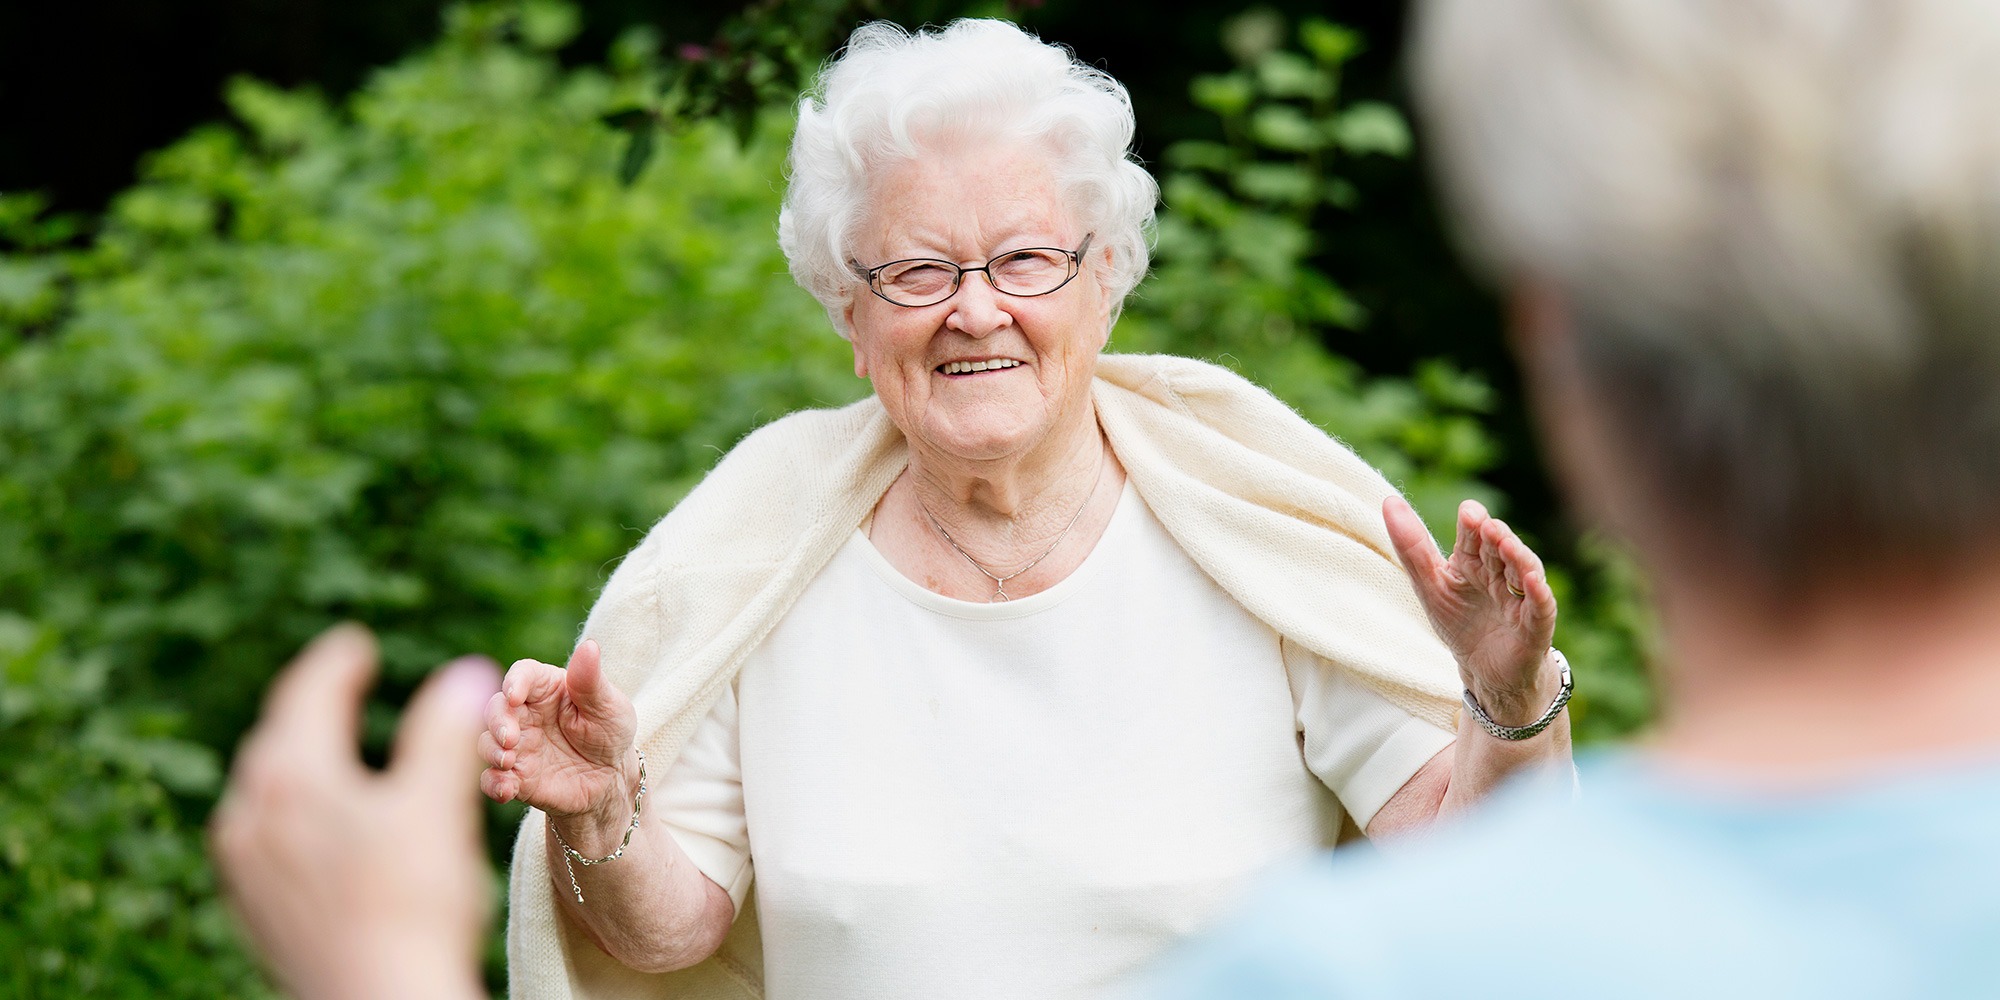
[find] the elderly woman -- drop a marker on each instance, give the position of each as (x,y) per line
(1754,249)
(1002,680)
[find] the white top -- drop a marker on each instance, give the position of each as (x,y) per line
(1033,798)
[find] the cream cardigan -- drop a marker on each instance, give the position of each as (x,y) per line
(1284,518)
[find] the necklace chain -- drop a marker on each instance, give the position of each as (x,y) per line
(1000,582)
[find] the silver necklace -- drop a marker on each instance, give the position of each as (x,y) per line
(1000,582)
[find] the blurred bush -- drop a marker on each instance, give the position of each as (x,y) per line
(424,361)
(106,890)
(1234,279)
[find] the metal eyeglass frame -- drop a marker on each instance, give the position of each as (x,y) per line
(872,275)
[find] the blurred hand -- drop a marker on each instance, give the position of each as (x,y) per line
(1491,604)
(561,740)
(354,883)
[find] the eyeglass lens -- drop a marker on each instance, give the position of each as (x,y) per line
(1035,271)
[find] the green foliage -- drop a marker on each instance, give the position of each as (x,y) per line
(103,887)
(759,60)
(1235,280)
(426,365)
(423,360)
(1606,629)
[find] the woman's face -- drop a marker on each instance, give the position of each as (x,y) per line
(966,205)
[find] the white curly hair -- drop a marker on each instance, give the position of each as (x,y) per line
(890,91)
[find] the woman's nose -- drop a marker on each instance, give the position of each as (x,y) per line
(976,309)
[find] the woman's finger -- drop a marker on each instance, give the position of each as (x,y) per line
(530,681)
(1525,574)
(1511,555)
(500,721)
(1472,520)
(1412,541)
(500,786)
(495,755)
(585,679)
(1493,538)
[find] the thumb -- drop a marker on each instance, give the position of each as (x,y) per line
(588,689)
(435,744)
(1413,542)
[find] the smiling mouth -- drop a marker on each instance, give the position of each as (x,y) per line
(969,367)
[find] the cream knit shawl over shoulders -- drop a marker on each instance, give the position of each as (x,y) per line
(1284,518)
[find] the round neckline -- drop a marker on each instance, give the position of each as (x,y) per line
(1121,517)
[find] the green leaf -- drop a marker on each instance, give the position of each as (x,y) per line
(1372,127)
(1277,182)
(1251,34)
(1227,94)
(639,144)
(1330,44)
(1196,155)
(629,118)
(1283,127)
(1288,74)
(549,25)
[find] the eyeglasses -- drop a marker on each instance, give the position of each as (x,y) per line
(1023,273)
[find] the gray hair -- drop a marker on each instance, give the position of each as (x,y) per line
(891,91)
(1777,225)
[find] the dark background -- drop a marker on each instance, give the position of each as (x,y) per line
(90,87)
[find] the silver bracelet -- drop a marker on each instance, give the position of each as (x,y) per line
(1513,733)
(570,854)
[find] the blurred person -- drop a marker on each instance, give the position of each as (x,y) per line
(353,883)
(1752,250)
(1006,678)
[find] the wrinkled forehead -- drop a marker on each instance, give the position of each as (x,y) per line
(963,201)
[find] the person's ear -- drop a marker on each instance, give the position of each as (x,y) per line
(854,339)
(1106,306)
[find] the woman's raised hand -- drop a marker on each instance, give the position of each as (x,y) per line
(1489,601)
(560,739)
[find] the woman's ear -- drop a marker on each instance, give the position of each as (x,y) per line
(1107,256)
(853,339)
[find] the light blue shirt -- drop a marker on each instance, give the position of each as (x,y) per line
(1646,886)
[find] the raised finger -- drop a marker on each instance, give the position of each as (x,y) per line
(584,677)
(314,705)
(433,743)
(1413,542)
(1472,517)
(1496,568)
(1520,559)
(1528,575)
(1415,547)
(1501,547)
